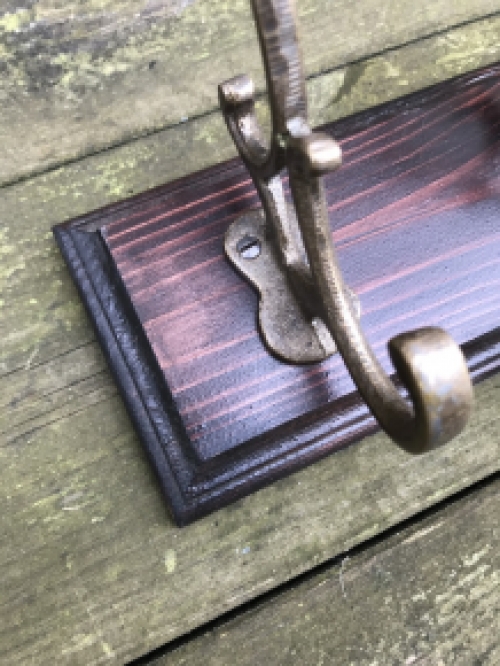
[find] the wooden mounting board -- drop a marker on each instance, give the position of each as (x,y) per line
(415,219)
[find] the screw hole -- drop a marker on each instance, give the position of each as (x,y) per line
(248,247)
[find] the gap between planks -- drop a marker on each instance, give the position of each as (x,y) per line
(425,591)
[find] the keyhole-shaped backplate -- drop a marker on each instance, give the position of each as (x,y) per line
(286,329)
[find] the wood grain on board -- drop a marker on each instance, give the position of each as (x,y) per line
(414,213)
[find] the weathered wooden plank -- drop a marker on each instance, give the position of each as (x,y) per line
(429,595)
(94,572)
(48,392)
(80,76)
(40,313)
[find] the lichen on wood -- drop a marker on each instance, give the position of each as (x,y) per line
(429,595)
(78,77)
(93,570)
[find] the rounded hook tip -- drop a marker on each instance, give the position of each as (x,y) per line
(316,153)
(434,370)
(238,90)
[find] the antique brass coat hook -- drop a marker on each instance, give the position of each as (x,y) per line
(306,312)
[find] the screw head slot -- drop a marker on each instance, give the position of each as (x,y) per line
(248,247)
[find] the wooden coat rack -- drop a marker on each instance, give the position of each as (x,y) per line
(414,214)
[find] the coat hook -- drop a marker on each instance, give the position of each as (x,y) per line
(306,312)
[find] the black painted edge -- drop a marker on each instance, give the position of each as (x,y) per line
(127,357)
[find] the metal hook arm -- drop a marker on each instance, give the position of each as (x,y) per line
(277,30)
(429,363)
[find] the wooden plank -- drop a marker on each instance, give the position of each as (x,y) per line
(81,76)
(428,595)
(33,281)
(94,572)
(418,239)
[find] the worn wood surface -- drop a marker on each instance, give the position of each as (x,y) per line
(81,75)
(426,596)
(94,572)
(92,569)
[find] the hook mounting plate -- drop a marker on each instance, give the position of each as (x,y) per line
(287,330)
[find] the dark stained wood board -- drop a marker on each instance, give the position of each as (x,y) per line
(415,219)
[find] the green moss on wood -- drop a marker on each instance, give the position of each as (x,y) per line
(81,76)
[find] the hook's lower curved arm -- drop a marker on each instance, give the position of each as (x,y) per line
(429,363)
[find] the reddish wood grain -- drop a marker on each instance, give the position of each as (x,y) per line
(415,219)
